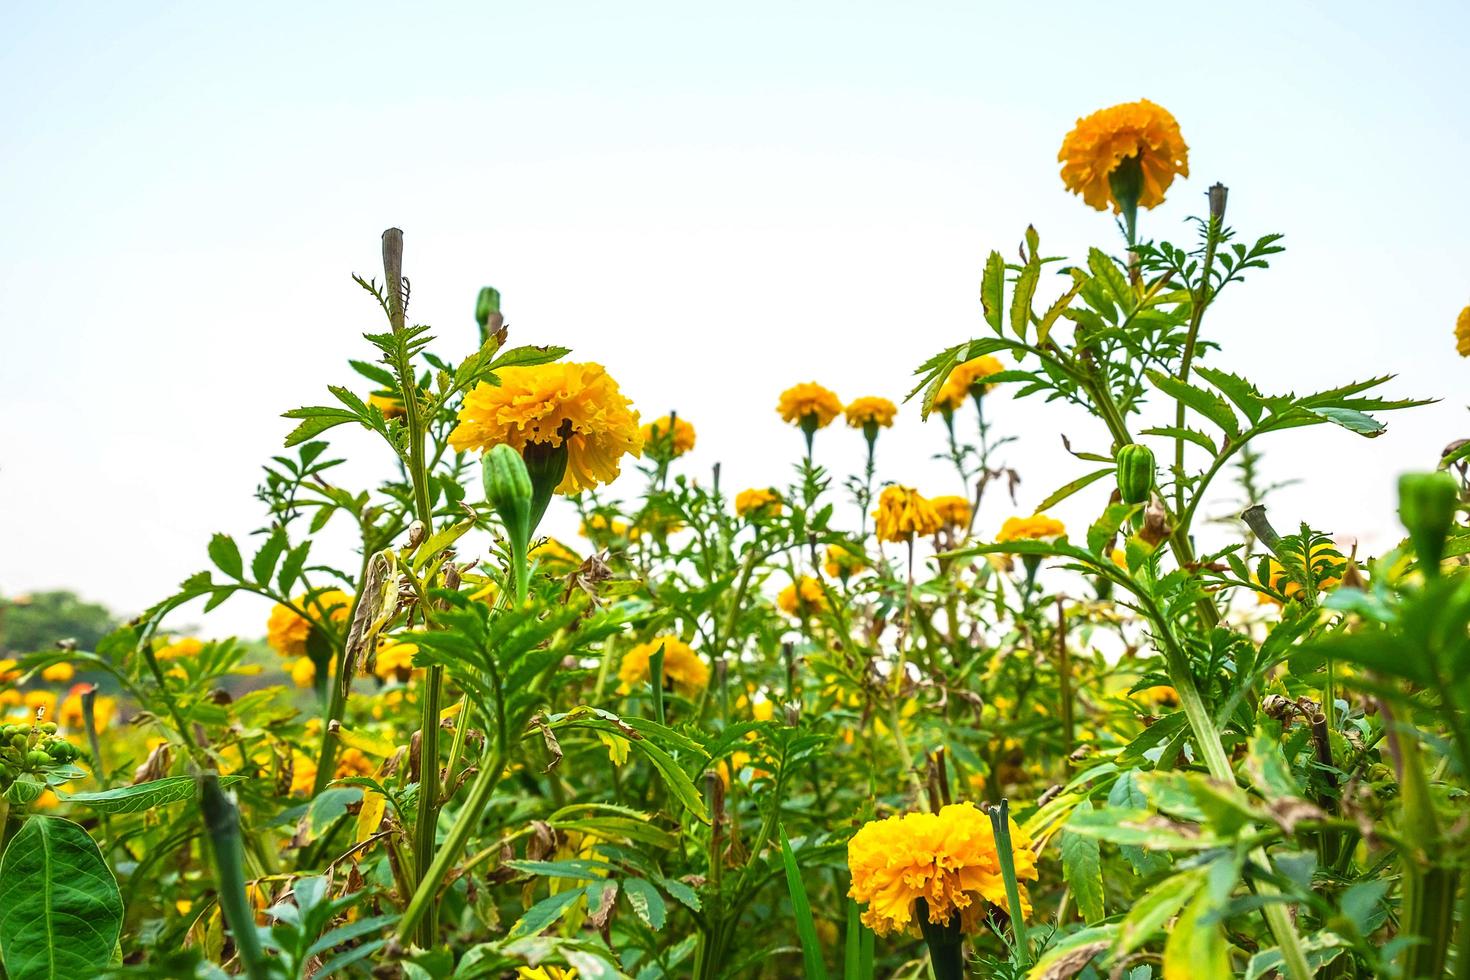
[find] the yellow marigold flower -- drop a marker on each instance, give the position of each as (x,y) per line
(803,597)
(394,659)
(597,525)
(1462,332)
(189,646)
(70,714)
(809,404)
(761,500)
(40,704)
(684,670)
(545,973)
(948,859)
(1327,565)
(844,561)
(286,632)
(902,513)
(1159,696)
(577,406)
(871,411)
(1102,141)
(8,672)
(552,554)
(675,443)
(1037,527)
(953,511)
(303,672)
(965,381)
(388,403)
(58,673)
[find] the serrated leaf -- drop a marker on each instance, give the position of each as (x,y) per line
(1082,870)
(646,901)
(1155,907)
(1067,489)
(1196,947)
(540,916)
(1353,421)
(144,796)
(1206,403)
(263,565)
(226,555)
(992,290)
(60,909)
(1025,291)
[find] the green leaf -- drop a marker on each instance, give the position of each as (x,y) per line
(226,555)
(1206,403)
(315,424)
(1065,491)
(545,912)
(144,796)
(801,910)
(1072,953)
(264,563)
(646,901)
(675,778)
(1196,947)
(1021,298)
(60,909)
(576,868)
(1363,425)
(992,289)
(1237,389)
(1156,907)
(1269,771)
(1189,435)
(1082,869)
(1141,828)
(1107,274)
(528,356)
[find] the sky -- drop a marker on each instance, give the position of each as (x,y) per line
(714,201)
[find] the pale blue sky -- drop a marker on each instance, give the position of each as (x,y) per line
(714,202)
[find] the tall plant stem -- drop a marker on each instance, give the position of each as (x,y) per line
(1201,300)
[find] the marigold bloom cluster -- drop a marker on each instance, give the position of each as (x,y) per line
(678,438)
(871,410)
(761,499)
(563,404)
(1037,527)
(1102,141)
(966,380)
(948,859)
(802,597)
(683,669)
(953,511)
(287,632)
(902,513)
(188,646)
(809,404)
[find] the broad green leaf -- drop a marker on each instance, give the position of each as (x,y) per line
(60,909)
(1188,435)
(540,916)
(145,796)
(575,868)
(1269,771)
(992,289)
(1072,954)
(1066,490)
(1238,390)
(1141,828)
(1082,869)
(1353,421)
(226,555)
(1196,947)
(646,901)
(1206,403)
(1021,298)
(1157,906)
(801,910)
(264,563)
(528,356)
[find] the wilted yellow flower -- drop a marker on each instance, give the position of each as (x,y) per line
(388,403)
(802,597)
(58,673)
(394,659)
(303,672)
(871,410)
(965,381)
(676,442)
(844,561)
(953,511)
(577,406)
(902,513)
(761,499)
(1102,141)
(809,404)
(286,632)
(684,670)
(1462,332)
(1327,564)
(597,525)
(188,646)
(948,859)
(1037,527)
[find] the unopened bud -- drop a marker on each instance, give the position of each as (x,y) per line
(1135,472)
(508,489)
(1427,505)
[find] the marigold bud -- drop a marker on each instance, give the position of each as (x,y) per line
(1135,473)
(508,489)
(1427,505)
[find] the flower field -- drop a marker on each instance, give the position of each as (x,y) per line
(843,727)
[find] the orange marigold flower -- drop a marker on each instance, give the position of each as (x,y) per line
(802,597)
(948,859)
(576,406)
(902,513)
(675,441)
(1462,332)
(871,410)
(965,381)
(1037,527)
(809,404)
(1102,141)
(954,511)
(761,500)
(684,670)
(287,632)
